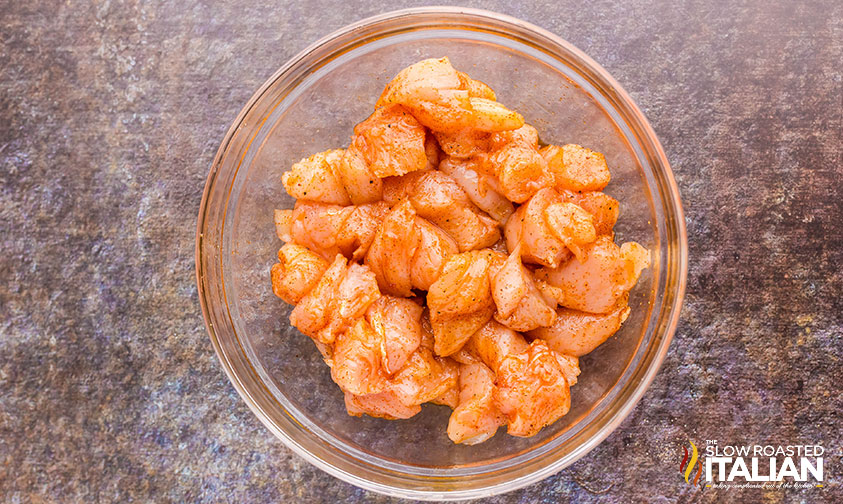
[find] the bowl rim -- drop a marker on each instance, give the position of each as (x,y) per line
(673,198)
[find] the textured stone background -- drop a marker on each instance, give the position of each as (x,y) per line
(111,112)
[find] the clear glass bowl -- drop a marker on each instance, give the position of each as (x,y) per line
(311,104)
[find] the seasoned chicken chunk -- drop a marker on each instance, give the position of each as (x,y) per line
(520,304)
(424,377)
(358,360)
(519,169)
(341,296)
(330,229)
(435,246)
(576,168)
(577,333)
(432,90)
(476,417)
(549,229)
(398,322)
(479,187)
(316,179)
(596,285)
(382,405)
(360,182)
(438,198)
(603,208)
(531,386)
(408,252)
(391,142)
(532,389)
(296,273)
(460,301)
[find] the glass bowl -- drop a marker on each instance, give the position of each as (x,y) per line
(311,104)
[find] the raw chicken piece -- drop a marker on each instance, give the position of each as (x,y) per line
(603,208)
(576,168)
(493,342)
(435,246)
(361,184)
(570,366)
(408,251)
(577,333)
(520,304)
(475,88)
(519,169)
(398,322)
(596,285)
(330,229)
(432,151)
(381,405)
(391,142)
(532,388)
(358,360)
(423,378)
(451,397)
(548,229)
(283,221)
(478,187)
(341,296)
(296,273)
(463,144)
(460,301)
(316,179)
(432,90)
(438,198)
(572,226)
(392,251)
(476,418)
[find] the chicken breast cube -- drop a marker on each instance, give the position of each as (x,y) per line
(603,208)
(528,227)
(460,301)
(437,96)
(596,285)
(381,405)
(493,342)
(438,198)
(296,273)
(435,246)
(398,322)
(316,179)
(479,187)
(518,167)
(476,418)
(577,333)
(520,304)
(576,168)
(283,221)
(532,389)
(392,251)
(361,184)
(572,225)
(341,296)
(424,377)
(331,229)
(357,360)
(430,89)
(475,88)
(391,142)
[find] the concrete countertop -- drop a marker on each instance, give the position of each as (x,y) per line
(110,115)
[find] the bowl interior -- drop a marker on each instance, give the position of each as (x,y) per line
(319,114)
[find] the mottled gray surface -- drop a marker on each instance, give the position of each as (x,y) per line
(111,112)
